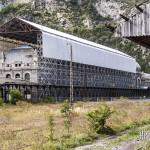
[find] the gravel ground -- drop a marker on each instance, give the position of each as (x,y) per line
(99,145)
(127,146)
(106,144)
(103,145)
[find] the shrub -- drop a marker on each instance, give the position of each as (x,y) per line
(15,96)
(66,113)
(1,101)
(49,146)
(97,118)
(50,100)
(9,8)
(75,141)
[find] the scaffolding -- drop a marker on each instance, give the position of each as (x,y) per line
(60,78)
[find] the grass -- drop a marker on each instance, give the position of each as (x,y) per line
(25,126)
(132,135)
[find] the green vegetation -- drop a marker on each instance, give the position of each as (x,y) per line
(11,8)
(98,118)
(43,124)
(69,143)
(1,102)
(68,140)
(51,100)
(132,135)
(66,112)
(51,125)
(15,96)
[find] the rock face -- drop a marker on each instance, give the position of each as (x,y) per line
(106,8)
(109,8)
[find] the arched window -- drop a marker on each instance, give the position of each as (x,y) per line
(27,77)
(17,76)
(8,76)
(138,82)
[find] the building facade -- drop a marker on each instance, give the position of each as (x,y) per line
(42,56)
(19,64)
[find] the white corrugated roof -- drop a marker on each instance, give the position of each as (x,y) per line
(68,36)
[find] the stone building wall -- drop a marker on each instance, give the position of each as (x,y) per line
(19,64)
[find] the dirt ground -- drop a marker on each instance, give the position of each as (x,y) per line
(25,125)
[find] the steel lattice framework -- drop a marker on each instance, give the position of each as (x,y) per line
(53,75)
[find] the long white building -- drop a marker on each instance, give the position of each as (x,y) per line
(44,58)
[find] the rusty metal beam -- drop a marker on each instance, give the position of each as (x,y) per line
(19,32)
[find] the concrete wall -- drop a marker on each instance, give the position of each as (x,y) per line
(20,61)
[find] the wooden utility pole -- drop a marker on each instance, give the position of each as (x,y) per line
(71,74)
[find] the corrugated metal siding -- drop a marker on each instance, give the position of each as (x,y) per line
(86,52)
(68,36)
(57,47)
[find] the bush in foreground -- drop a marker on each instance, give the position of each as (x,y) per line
(15,96)
(69,143)
(97,119)
(50,100)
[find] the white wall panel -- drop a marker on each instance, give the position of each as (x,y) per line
(19,55)
(55,46)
